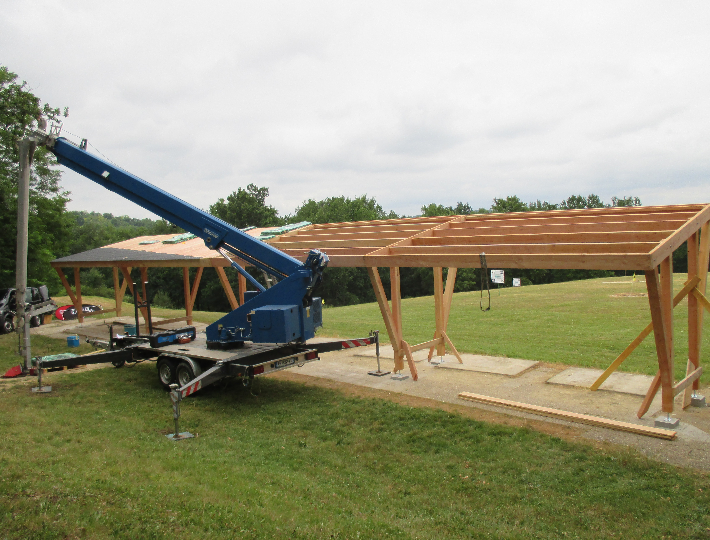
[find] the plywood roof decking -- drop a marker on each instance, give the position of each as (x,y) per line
(191,253)
(631,238)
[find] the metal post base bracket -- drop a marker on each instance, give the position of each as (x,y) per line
(42,389)
(379,373)
(435,362)
(399,376)
(180,436)
(697,400)
(666,421)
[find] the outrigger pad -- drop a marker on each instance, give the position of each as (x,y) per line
(160,339)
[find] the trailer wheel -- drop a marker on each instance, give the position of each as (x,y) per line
(166,371)
(7,324)
(35,321)
(185,373)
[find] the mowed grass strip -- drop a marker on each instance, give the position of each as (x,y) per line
(90,460)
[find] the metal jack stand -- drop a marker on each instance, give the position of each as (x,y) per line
(437,362)
(40,389)
(176,398)
(666,422)
(379,372)
(696,400)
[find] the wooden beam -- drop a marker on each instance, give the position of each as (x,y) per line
(688,381)
(227,288)
(602,261)
(579,226)
(661,336)
(426,344)
(694,311)
(666,279)
(685,291)
(449,294)
(542,238)
(650,394)
(669,245)
(410,360)
(117,297)
(65,282)
(242,281)
(396,302)
(453,349)
(78,304)
(186,294)
(195,287)
(439,308)
(573,248)
(386,316)
(572,417)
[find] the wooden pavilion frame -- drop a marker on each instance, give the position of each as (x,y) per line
(146,252)
(629,238)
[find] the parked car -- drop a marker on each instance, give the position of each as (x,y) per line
(38,301)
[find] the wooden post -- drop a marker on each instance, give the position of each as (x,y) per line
(439,308)
(242,288)
(186,293)
(117,291)
(661,336)
(227,287)
(698,251)
(396,296)
(77,299)
(395,339)
(667,303)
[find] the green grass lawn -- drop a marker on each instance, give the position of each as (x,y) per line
(90,460)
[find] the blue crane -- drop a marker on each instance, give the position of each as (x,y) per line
(285,313)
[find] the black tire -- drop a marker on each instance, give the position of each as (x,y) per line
(185,374)
(7,325)
(35,321)
(166,372)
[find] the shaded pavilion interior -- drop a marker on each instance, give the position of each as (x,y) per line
(640,239)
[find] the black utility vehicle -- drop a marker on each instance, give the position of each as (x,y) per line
(38,301)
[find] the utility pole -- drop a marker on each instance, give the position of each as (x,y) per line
(27,148)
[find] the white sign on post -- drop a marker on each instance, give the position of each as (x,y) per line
(516,282)
(498,276)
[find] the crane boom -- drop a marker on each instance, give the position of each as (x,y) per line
(287,312)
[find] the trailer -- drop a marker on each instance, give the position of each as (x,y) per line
(268,333)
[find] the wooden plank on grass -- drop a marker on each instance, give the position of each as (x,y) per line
(572,417)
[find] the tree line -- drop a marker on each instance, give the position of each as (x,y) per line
(56,232)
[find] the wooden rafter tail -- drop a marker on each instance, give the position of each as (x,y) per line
(685,291)
(674,241)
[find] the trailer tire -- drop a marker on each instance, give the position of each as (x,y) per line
(35,321)
(186,372)
(166,371)
(7,324)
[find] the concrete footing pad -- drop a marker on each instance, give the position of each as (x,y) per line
(626,383)
(471,362)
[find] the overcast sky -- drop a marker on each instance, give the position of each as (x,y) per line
(408,102)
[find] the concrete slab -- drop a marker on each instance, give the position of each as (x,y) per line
(625,383)
(488,364)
